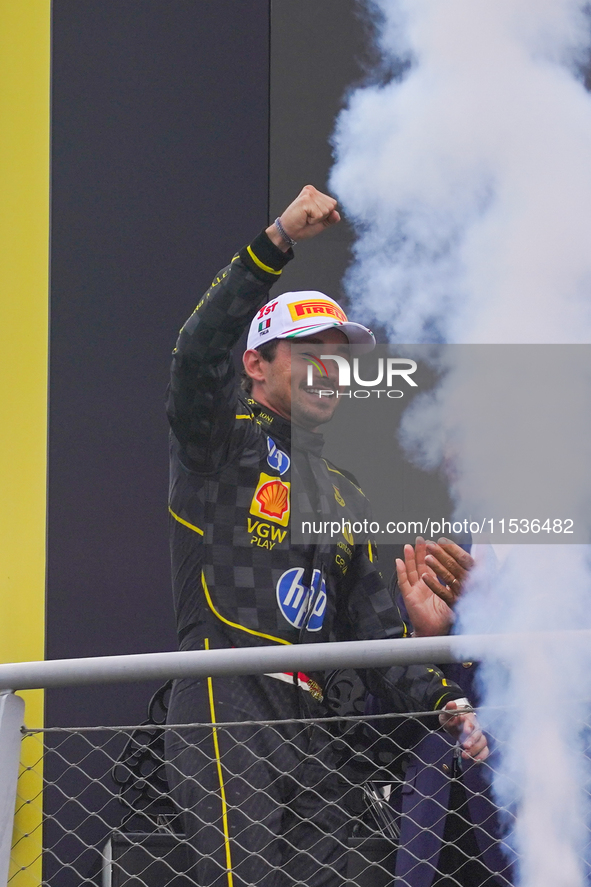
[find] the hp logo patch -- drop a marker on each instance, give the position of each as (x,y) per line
(318,601)
(295,599)
(277,459)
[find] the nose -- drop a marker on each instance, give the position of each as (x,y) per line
(333,377)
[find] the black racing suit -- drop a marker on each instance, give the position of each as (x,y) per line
(262,805)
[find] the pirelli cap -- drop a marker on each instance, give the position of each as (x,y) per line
(294,315)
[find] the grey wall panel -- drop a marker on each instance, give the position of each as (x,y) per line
(319,48)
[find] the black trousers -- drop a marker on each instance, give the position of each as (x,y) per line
(262,804)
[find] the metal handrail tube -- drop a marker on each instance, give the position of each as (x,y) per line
(265,659)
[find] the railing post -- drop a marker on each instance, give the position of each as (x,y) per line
(11,719)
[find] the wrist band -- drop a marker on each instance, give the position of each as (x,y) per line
(289,240)
(463,704)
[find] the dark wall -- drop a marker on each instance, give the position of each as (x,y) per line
(159,172)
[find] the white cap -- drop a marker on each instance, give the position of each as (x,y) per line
(294,315)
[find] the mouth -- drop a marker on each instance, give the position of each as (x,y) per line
(322,391)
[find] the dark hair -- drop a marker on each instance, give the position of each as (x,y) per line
(267,350)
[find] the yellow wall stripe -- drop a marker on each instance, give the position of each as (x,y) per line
(24,259)
(218,760)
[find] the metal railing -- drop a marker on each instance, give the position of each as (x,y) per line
(405,806)
(260,660)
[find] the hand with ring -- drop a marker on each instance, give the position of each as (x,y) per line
(428,602)
(449,563)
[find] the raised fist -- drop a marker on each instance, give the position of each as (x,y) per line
(309,214)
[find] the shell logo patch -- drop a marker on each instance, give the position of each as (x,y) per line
(337,495)
(316,308)
(271,500)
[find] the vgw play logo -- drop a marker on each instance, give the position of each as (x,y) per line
(388,370)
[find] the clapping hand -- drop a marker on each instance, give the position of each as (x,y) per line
(429,602)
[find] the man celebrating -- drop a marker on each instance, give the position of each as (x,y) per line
(264,806)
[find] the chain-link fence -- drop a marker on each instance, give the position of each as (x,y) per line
(370,799)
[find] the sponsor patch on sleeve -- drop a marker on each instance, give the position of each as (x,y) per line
(277,459)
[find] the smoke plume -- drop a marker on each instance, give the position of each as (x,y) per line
(468,179)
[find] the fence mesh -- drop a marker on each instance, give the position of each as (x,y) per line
(370,800)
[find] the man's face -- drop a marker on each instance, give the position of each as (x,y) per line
(285,387)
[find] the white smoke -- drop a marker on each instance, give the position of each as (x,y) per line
(468,180)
